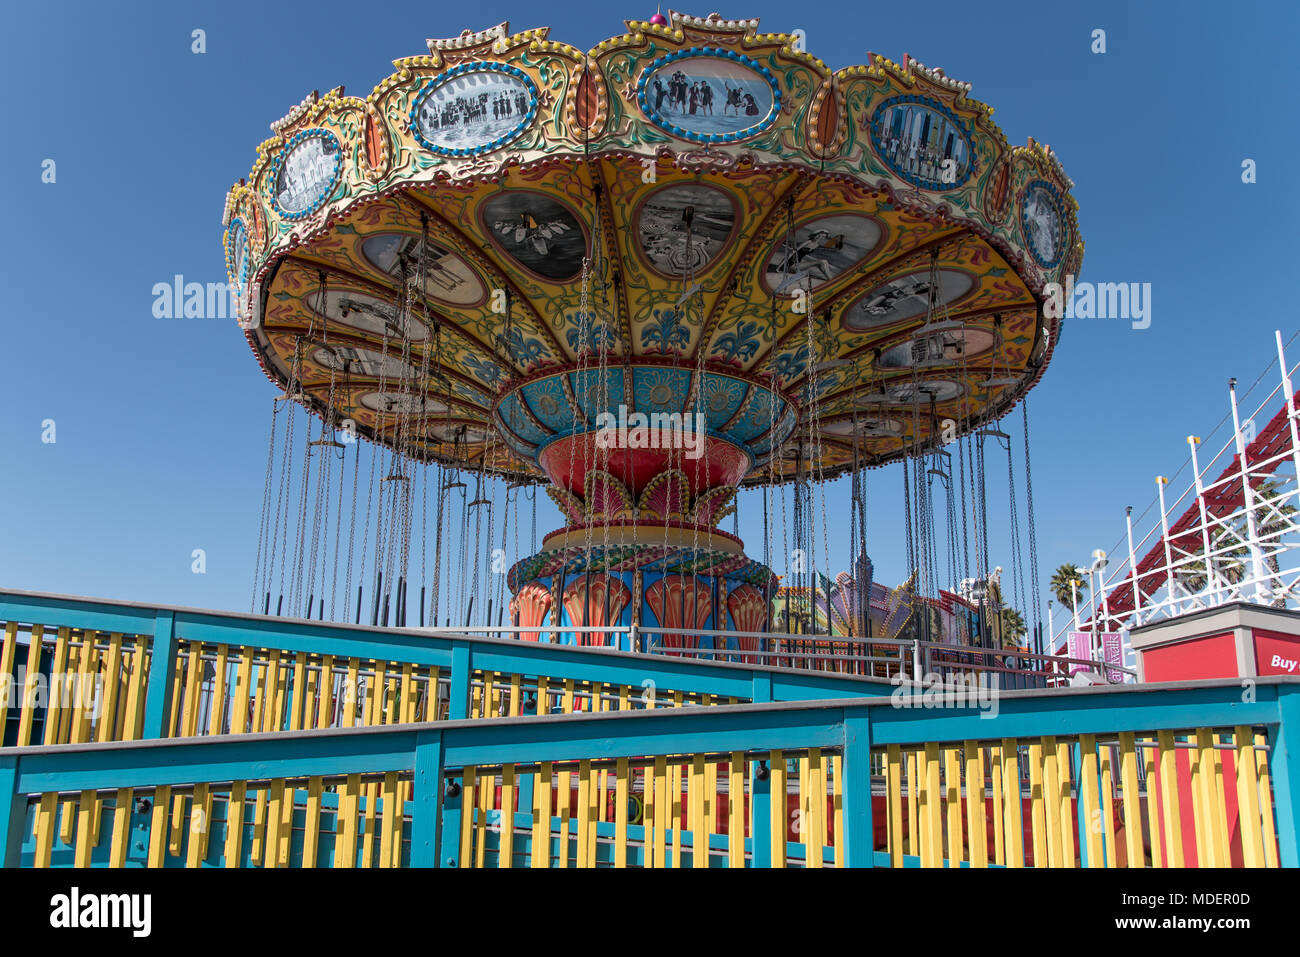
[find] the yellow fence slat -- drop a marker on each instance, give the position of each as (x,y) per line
(8,653)
(234,849)
(1089,800)
(541,856)
(120,843)
(1132,800)
(976,821)
(158,827)
(1169,799)
(44,827)
(952,804)
(1252,837)
(736,767)
(469,789)
(311,824)
(894,803)
(28,712)
(777,822)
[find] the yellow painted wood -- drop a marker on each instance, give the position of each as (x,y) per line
(893,804)
(486,787)
(243,690)
(1211,792)
(121,839)
(506,843)
(67,821)
(258,849)
(193,685)
(999,806)
(284,844)
(931,810)
(1090,801)
(590,849)
(837,806)
(220,690)
(912,759)
(1132,800)
(311,824)
(390,848)
(1169,799)
(662,806)
(812,799)
(1219,807)
(174,697)
(273,704)
(233,854)
(56,710)
(86,808)
(179,822)
(468,799)
(345,846)
(433,710)
(1148,757)
(698,816)
(28,712)
(8,653)
(736,810)
(1199,817)
(952,804)
(1065,814)
(199,827)
(44,827)
(976,817)
(1266,801)
(1013,822)
(83,713)
(776,772)
(678,812)
(1106,759)
(109,705)
(370,824)
(1038,802)
(541,842)
(1252,838)
(158,827)
(351,693)
(622,791)
(584,822)
(263,680)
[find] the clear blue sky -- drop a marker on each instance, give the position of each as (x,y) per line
(162,424)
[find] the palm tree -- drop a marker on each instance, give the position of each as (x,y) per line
(1013,627)
(1060,584)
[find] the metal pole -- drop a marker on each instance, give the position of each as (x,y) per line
(1248,499)
(1161,482)
(1132,564)
(1211,580)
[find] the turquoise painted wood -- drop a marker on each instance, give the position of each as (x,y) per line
(435,753)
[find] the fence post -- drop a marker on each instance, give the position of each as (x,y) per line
(162,666)
(461,664)
(760,834)
(859,829)
(13,812)
(1284,758)
(426,819)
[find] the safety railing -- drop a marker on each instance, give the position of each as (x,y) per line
(1161,775)
(76,670)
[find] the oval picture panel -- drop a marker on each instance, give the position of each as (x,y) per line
(475,107)
(709,95)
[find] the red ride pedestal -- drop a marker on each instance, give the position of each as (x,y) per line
(1240,640)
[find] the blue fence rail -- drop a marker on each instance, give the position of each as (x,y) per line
(1045,778)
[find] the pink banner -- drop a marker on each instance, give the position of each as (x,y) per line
(1112,652)
(1078,647)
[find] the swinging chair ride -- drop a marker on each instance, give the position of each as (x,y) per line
(690,264)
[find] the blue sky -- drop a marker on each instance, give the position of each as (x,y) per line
(162,424)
